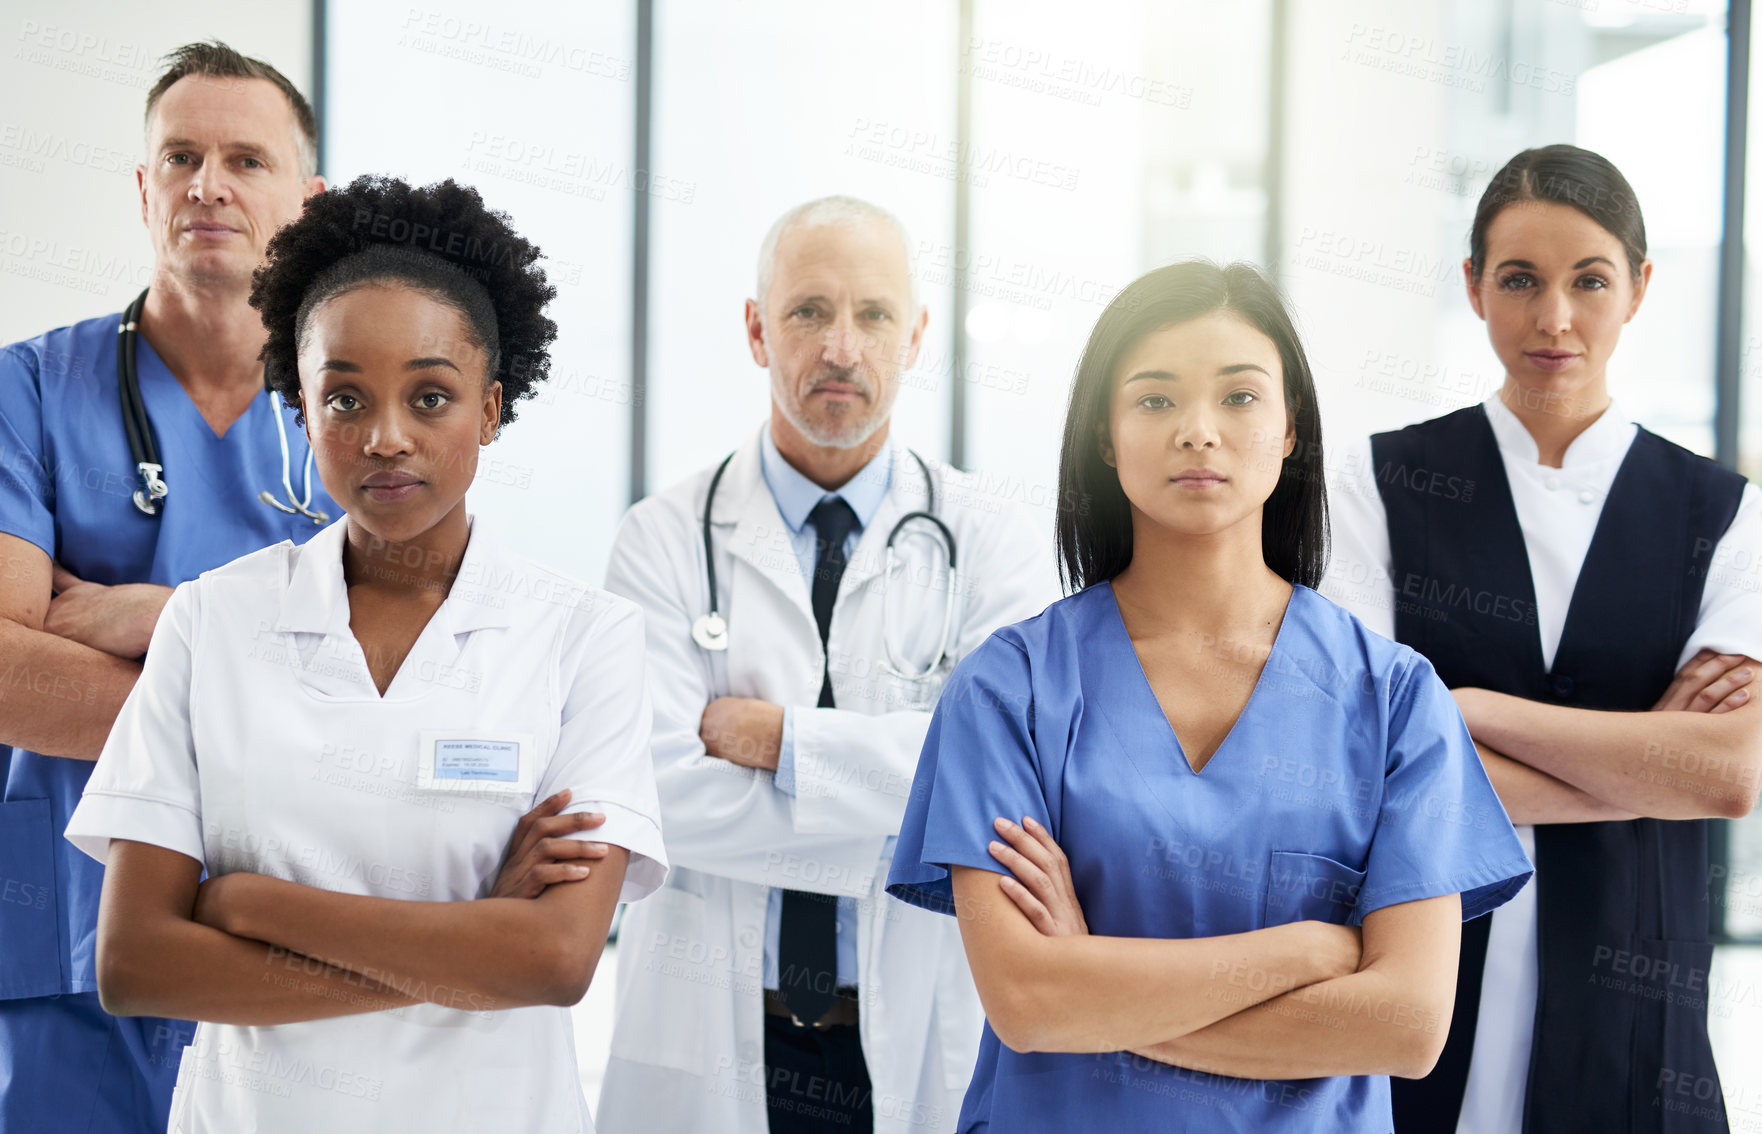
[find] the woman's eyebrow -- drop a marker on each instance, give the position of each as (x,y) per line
(1222,372)
(429,363)
(1584,263)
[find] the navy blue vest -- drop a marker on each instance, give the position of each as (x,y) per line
(1621,1011)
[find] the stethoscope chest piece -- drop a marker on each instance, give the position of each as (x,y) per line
(710,631)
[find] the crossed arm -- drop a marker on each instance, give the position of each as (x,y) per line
(249,949)
(72,652)
(1696,754)
(1290,1001)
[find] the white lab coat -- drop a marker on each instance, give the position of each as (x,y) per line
(688,1043)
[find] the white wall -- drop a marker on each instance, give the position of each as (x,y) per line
(74,76)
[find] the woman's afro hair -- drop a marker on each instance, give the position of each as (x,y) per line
(441,239)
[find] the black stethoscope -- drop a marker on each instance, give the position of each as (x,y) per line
(143,446)
(710,630)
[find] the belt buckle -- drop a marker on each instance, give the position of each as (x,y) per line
(825,1021)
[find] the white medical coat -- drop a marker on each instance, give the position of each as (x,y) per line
(688,1044)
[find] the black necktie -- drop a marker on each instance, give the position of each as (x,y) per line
(807,939)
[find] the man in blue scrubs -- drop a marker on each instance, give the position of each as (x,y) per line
(230,157)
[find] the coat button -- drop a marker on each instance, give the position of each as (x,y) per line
(1563,686)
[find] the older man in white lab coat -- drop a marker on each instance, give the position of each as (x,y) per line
(772,984)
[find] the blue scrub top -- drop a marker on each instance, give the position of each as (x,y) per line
(66,482)
(1349,783)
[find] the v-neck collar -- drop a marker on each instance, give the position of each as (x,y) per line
(151,370)
(1122,669)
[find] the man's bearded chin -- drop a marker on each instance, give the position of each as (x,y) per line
(844,426)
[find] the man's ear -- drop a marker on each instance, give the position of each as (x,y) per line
(916,341)
(755,334)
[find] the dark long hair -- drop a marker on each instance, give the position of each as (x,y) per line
(1563,175)
(1094,516)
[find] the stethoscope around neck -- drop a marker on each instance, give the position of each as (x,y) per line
(710,630)
(143,445)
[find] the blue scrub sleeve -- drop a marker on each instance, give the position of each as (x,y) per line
(1441,828)
(978,763)
(27,502)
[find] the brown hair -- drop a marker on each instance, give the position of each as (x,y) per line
(1563,175)
(217,60)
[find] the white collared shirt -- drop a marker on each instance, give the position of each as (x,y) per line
(1557,510)
(256,740)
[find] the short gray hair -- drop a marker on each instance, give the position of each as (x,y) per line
(836,211)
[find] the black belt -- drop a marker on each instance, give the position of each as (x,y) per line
(842,1013)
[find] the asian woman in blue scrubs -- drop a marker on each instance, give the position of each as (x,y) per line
(1274,819)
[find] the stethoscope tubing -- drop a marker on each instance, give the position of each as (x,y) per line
(143,443)
(710,630)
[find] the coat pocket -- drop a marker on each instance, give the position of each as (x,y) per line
(1310,887)
(668,970)
(30,909)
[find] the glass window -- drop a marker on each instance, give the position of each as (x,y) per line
(1377,216)
(546,135)
(759,108)
(1101,148)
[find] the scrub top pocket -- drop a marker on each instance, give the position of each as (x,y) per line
(30,911)
(1310,887)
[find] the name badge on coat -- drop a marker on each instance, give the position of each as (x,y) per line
(479,763)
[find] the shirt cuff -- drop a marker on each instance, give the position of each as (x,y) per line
(785,777)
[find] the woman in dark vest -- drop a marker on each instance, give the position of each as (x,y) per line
(1590,592)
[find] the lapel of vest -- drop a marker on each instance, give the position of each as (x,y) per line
(1463,591)
(1628,598)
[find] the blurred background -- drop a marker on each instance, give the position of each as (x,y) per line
(1041,161)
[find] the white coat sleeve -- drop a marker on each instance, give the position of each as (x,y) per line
(853,771)
(716,817)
